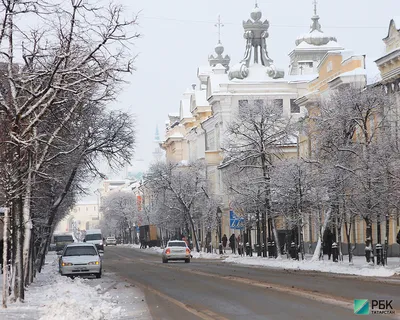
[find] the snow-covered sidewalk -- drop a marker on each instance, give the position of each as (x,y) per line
(52,296)
(359,266)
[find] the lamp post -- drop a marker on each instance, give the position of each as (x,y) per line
(219,216)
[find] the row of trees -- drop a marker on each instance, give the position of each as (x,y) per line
(56,80)
(351,172)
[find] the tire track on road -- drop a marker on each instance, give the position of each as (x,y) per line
(311,295)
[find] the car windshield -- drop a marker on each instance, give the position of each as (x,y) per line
(95,236)
(177,244)
(63,238)
(80,251)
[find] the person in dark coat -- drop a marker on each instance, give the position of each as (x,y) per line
(224,241)
(232,243)
(398,237)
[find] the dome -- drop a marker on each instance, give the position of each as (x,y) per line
(219,48)
(316,36)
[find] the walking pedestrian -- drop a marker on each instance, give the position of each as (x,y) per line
(232,243)
(224,242)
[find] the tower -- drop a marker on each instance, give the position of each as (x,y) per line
(311,48)
(157,153)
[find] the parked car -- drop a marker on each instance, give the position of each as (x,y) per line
(80,259)
(176,250)
(111,241)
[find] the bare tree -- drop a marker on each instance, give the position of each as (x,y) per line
(182,193)
(119,213)
(255,139)
(75,58)
(349,125)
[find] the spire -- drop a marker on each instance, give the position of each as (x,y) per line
(219,24)
(219,50)
(315,18)
(157,135)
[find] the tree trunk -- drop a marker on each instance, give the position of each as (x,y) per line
(278,247)
(258,234)
(194,231)
(5,257)
(348,232)
(369,240)
(318,248)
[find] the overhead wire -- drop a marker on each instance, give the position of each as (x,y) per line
(272,25)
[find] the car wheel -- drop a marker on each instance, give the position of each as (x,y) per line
(165,260)
(98,275)
(187,260)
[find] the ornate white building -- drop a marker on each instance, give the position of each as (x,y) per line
(206,109)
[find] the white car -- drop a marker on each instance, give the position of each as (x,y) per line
(80,259)
(111,241)
(176,250)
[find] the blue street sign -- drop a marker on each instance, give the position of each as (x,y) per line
(235,222)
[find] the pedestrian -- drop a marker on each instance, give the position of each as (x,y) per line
(224,242)
(398,237)
(232,243)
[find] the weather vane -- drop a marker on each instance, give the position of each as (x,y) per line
(219,25)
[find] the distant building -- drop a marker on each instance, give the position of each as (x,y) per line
(85,215)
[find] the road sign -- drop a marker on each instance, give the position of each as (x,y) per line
(235,222)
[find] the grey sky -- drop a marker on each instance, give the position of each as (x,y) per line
(178,35)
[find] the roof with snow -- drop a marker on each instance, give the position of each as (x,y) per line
(201,98)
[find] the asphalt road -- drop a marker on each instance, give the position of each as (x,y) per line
(209,289)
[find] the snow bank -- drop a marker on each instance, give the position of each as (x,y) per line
(64,298)
(205,255)
(359,266)
(73,299)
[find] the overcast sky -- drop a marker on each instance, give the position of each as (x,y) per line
(178,36)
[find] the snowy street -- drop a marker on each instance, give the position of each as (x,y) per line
(212,289)
(52,296)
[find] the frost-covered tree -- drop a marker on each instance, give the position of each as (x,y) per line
(120,213)
(72,57)
(351,125)
(181,191)
(255,138)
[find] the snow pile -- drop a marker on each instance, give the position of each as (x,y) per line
(206,255)
(359,267)
(65,298)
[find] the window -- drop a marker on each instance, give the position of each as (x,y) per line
(80,251)
(93,236)
(177,244)
(294,108)
(329,66)
(210,142)
(243,106)
(278,104)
